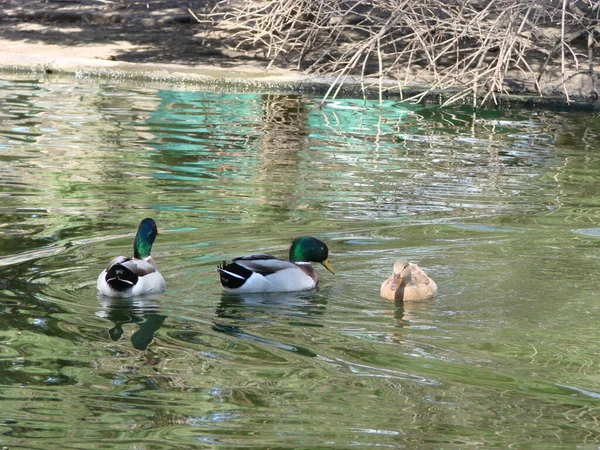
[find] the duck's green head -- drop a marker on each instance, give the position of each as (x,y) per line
(144,238)
(308,248)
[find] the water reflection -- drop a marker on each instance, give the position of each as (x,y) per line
(249,307)
(144,312)
(504,202)
(412,314)
(240,333)
(261,306)
(401,323)
(280,151)
(243,312)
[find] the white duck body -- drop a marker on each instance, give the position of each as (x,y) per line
(265,273)
(149,279)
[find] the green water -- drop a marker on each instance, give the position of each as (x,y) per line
(501,208)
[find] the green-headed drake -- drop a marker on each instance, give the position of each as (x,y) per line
(265,273)
(408,282)
(127,276)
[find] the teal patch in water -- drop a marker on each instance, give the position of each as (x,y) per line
(487,228)
(180,229)
(589,232)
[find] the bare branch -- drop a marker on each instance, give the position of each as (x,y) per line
(468,45)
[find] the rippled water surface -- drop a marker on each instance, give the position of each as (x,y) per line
(502,208)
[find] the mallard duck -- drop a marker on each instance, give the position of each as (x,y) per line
(127,276)
(408,282)
(265,273)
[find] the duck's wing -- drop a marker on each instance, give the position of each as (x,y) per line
(263,264)
(235,273)
(418,276)
(117,260)
(421,285)
(140,267)
(254,257)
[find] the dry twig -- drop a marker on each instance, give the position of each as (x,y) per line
(468,45)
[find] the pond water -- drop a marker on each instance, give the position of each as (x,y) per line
(501,208)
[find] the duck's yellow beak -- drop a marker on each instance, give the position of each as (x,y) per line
(328,266)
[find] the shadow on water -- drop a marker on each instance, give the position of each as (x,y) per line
(247,310)
(143,312)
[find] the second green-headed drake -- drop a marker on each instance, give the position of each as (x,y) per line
(265,273)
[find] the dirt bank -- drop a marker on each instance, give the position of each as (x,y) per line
(160,40)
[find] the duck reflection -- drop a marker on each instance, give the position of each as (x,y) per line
(253,307)
(405,317)
(241,311)
(408,314)
(142,311)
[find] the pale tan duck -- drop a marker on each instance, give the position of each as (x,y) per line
(408,282)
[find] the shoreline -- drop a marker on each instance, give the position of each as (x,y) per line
(165,44)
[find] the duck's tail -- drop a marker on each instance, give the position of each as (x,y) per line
(120,278)
(233,275)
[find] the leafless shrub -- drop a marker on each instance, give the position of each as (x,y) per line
(468,46)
